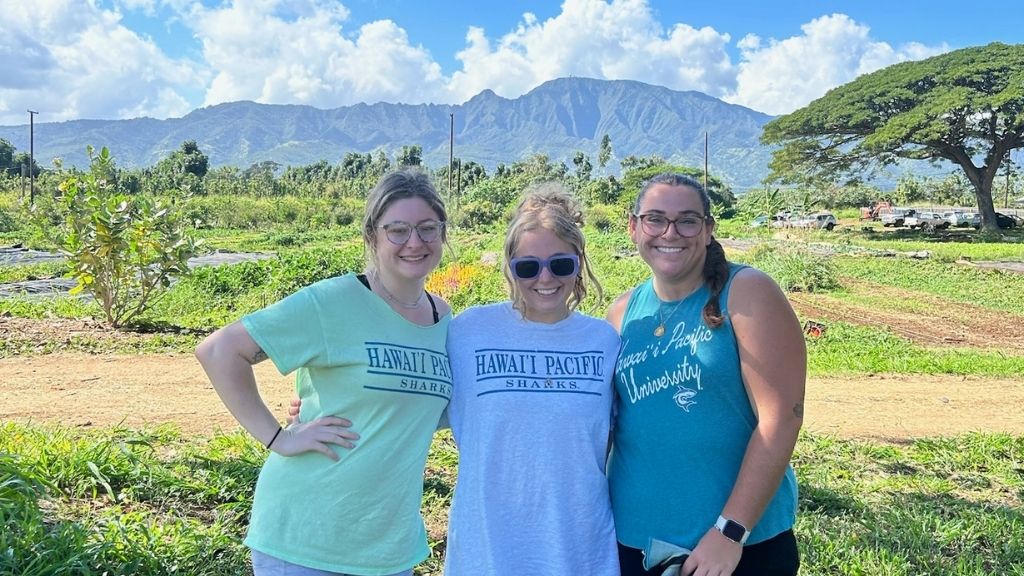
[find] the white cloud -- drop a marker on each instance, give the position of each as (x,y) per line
(258,52)
(591,38)
(147,6)
(79,60)
(82,62)
(784,75)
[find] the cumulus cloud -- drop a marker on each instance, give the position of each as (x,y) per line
(259,51)
(779,76)
(592,38)
(79,61)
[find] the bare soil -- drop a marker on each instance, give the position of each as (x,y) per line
(147,390)
(947,323)
(77,389)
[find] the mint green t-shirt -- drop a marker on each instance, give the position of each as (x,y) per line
(355,357)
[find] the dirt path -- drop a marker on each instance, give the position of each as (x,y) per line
(92,390)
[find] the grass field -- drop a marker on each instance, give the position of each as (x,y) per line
(155,501)
(123,501)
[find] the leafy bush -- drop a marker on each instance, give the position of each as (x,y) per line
(7,221)
(479,213)
(123,249)
(300,269)
(233,280)
(604,217)
(248,213)
(795,270)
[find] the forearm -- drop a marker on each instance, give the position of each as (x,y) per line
(765,462)
(233,379)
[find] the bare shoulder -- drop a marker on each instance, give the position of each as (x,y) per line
(442,305)
(618,309)
(759,308)
(752,289)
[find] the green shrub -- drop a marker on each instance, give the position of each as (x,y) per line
(795,270)
(479,213)
(605,217)
(124,249)
(7,222)
(300,269)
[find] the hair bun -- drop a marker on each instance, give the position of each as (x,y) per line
(548,195)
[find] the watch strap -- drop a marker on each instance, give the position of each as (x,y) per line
(732,530)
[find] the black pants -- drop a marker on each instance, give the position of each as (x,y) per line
(776,556)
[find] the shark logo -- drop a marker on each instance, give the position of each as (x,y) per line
(684,397)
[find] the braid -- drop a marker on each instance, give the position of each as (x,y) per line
(716,274)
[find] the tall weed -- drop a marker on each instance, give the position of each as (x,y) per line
(795,269)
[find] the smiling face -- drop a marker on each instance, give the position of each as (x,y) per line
(414,259)
(545,297)
(674,259)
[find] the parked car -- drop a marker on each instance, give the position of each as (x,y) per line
(783,219)
(759,222)
(895,216)
(817,221)
(961,219)
(926,221)
(1005,221)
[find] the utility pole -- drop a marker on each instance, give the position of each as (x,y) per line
(1006,191)
(1006,194)
(32,157)
(451,149)
(706,162)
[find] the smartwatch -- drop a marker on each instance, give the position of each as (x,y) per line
(732,530)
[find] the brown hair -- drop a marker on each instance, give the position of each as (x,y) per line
(549,206)
(716,266)
(395,186)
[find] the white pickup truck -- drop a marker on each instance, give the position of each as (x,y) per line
(925,220)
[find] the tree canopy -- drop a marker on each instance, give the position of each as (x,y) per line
(965,106)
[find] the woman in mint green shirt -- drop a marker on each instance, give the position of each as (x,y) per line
(369,346)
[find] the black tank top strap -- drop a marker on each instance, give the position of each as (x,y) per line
(433,305)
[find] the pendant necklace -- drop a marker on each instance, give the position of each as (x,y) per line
(396,300)
(659,331)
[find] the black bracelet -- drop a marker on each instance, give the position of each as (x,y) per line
(274,438)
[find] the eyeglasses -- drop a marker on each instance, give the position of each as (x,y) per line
(656,224)
(529,267)
(399,232)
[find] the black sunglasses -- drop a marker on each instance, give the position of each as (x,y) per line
(529,267)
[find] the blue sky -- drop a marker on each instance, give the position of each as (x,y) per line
(107,59)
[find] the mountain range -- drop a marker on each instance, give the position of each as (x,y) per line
(558,118)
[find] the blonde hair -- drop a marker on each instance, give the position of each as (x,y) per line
(549,206)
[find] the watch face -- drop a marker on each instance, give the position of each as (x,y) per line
(733,531)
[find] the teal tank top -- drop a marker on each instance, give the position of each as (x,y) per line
(682,425)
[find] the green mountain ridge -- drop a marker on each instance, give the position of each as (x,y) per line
(558,118)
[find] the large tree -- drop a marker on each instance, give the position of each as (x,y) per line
(6,156)
(965,106)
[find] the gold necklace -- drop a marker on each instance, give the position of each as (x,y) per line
(396,300)
(660,330)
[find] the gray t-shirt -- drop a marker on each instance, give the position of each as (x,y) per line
(530,411)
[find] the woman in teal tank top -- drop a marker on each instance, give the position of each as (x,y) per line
(710,385)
